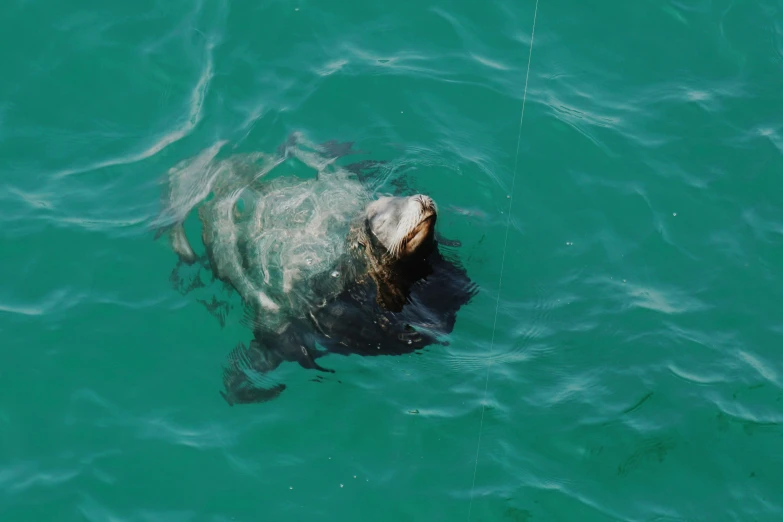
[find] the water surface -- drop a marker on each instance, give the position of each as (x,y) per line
(634,371)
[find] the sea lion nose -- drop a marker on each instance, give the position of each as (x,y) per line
(425,201)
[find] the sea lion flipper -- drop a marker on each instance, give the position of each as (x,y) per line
(306,356)
(238,385)
(252,394)
(181,245)
(337,149)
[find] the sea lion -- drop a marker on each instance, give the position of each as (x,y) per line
(321,266)
(398,293)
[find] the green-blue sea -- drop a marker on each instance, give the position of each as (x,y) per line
(620,362)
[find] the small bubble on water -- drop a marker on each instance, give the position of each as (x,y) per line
(354,476)
(341,485)
(569,243)
(674,214)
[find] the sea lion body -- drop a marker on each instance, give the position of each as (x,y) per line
(373,303)
(321,267)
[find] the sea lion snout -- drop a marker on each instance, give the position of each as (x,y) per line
(403,225)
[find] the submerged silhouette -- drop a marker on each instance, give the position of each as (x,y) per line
(321,266)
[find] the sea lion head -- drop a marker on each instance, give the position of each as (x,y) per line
(401,228)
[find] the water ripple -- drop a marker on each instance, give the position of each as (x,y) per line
(169,431)
(60,299)
(178,132)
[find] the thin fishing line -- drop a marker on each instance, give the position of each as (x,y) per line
(503,259)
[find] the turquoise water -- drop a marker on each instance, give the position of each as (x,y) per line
(635,370)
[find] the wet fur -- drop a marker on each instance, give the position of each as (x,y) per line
(356,322)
